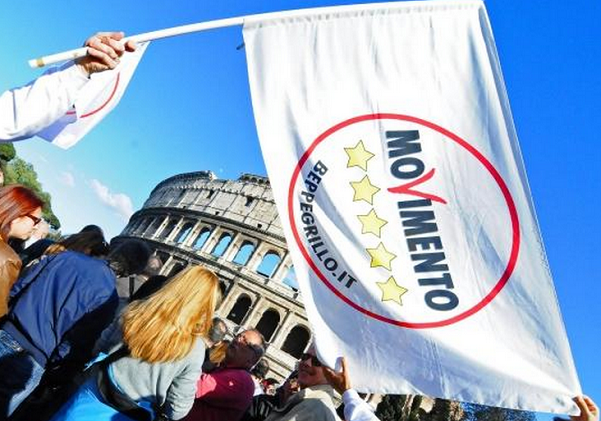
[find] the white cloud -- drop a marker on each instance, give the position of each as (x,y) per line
(120,202)
(67,179)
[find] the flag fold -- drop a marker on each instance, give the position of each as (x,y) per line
(395,166)
(95,100)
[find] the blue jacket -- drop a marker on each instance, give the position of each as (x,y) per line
(60,307)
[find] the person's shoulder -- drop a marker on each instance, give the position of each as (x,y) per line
(240,375)
(322,390)
(235,372)
(319,405)
(198,349)
(91,271)
(80,257)
(83,261)
(10,264)
(7,254)
(249,384)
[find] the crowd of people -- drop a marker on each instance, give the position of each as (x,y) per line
(82,338)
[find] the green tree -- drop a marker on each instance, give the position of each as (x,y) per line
(7,152)
(391,408)
(416,413)
(22,172)
(473,412)
(441,411)
(401,408)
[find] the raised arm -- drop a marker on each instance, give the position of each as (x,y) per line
(355,408)
(26,110)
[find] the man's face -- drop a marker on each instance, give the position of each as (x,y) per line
(310,371)
(244,350)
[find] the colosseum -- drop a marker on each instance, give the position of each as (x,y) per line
(231,226)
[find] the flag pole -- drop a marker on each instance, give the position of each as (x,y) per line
(222,23)
(148,36)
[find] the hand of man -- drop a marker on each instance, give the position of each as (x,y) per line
(588,410)
(341,381)
(104,50)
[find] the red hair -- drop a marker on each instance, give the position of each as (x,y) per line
(16,201)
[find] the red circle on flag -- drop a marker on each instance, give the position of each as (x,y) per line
(104,104)
(515,225)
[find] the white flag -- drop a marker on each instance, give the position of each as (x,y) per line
(390,147)
(96,99)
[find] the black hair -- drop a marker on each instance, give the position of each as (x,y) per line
(261,369)
(128,257)
(218,330)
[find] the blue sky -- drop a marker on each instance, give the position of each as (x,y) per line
(189,102)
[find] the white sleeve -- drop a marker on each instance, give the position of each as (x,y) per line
(27,110)
(356,409)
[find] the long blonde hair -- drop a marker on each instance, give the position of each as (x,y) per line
(164,327)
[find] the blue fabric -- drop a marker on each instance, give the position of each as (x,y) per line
(87,405)
(62,304)
(20,374)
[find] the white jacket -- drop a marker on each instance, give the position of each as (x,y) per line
(27,110)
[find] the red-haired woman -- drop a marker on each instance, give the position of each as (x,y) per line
(20,212)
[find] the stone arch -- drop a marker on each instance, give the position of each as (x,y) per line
(240,309)
(244,254)
(269,263)
(222,244)
(158,197)
(156,225)
(268,323)
(168,229)
(177,268)
(290,278)
(202,237)
(184,232)
(133,225)
(223,287)
(143,226)
(297,340)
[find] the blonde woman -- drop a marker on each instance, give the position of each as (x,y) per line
(160,361)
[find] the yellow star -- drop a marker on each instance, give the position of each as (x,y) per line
(364,190)
(371,223)
(358,156)
(391,291)
(381,257)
